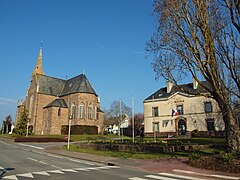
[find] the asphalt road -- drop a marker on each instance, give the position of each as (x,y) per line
(30,161)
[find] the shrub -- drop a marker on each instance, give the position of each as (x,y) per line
(195,133)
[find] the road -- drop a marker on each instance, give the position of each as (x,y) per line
(30,161)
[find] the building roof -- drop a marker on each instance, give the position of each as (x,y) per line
(50,85)
(57,103)
(59,87)
(184,88)
(78,84)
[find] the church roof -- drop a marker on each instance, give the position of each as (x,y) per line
(57,103)
(59,87)
(50,85)
(184,88)
(78,84)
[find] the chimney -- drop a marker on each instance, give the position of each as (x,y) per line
(169,86)
(195,83)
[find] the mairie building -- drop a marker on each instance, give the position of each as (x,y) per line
(51,102)
(180,110)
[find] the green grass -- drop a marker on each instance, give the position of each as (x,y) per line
(122,155)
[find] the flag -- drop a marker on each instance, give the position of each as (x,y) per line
(174,113)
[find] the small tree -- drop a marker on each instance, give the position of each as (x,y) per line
(21,127)
(7,123)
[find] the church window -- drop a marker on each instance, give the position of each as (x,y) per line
(90,112)
(82,111)
(73,110)
(95,112)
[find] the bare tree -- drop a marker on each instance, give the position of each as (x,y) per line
(200,39)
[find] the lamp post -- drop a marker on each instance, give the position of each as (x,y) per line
(69,130)
(27,127)
(133,118)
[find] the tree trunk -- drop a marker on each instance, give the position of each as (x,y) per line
(232,131)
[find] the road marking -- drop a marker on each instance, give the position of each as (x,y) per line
(32,159)
(81,161)
(41,173)
(136,178)
(81,169)
(68,170)
(208,175)
(36,147)
(159,177)
(13,177)
(180,176)
(42,162)
(52,155)
(29,175)
(56,171)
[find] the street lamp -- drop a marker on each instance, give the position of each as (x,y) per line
(133,118)
(27,127)
(69,130)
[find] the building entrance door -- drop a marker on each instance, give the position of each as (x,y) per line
(182,128)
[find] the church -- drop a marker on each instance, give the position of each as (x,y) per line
(51,102)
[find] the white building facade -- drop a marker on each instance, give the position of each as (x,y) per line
(180,110)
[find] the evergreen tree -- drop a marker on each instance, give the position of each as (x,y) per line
(21,127)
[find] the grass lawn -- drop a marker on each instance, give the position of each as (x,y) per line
(137,155)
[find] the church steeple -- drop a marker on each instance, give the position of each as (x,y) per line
(38,69)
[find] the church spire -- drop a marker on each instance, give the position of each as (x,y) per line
(38,69)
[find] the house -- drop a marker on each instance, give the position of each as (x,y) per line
(177,110)
(51,102)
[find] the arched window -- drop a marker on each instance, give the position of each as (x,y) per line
(73,110)
(81,111)
(90,111)
(95,112)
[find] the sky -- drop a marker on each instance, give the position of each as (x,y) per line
(106,39)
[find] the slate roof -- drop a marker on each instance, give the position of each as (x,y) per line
(57,103)
(50,85)
(78,84)
(184,88)
(59,87)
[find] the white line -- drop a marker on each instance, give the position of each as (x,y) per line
(13,177)
(208,175)
(52,155)
(159,177)
(44,173)
(136,178)
(179,176)
(68,170)
(42,162)
(36,147)
(32,159)
(29,175)
(56,171)
(81,169)
(81,161)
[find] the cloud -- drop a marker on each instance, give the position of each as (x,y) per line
(7,101)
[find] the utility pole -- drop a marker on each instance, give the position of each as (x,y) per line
(133,118)
(69,122)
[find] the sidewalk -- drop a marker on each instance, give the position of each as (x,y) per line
(148,165)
